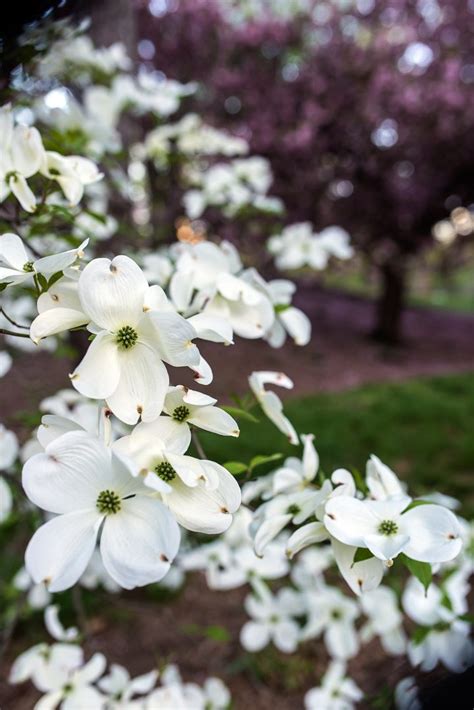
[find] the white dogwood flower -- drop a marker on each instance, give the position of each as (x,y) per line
(271,621)
(201,494)
(332,613)
(21,156)
(336,692)
(121,688)
(91,490)
(270,402)
(73,688)
(188,407)
(17,264)
(427,533)
(71,172)
(8,448)
(124,363)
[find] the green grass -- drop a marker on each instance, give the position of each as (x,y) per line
(422,428)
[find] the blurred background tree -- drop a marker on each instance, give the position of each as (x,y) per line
(364,111)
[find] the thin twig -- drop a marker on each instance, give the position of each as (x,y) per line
(3,331)
(197,444)
(10,320)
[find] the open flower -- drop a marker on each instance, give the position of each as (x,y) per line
(201,494)
(124,363)
(21,156)
(427,533)
(186,406)
(121,688)
(336,692)
(91,491)
(18,265)
(332,613)
(71,172)
(271,620)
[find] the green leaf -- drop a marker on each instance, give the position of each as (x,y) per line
(217,633)
(420,633)
(240,414)
(54,278)
(420,570)
(42,282)
(362,554)
(281,307)
(359,480)
(3,287)
(261,459)
(416,503)
(467,617)
(236,467)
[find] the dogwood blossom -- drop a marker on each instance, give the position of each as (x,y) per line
(18,265)
(90,489)
(299,246)
(334,614)
(428,533)
(201,494)
(272,620)
(187,407)
(337,692)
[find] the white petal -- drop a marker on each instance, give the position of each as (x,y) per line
(212,328)
(286,636)
(12,251)
(172,336)
(349,520)
(205,510)
(56,320)
(306,535)
(361,576)
(112,292)
(310,457)
(58,262)
(27,150)
(69,475)
(269,530)
(386,547)
(254,636)
(139,543)
(59,551)
(142,386)
(22,192)
(435,534)
(297,324)
(214,419)
(98,374)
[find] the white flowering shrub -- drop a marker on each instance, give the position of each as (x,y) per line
(115,481)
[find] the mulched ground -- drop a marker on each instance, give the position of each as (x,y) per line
(137,631)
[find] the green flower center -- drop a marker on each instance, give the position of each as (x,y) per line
(108,502)
(165,471)
(293,509)
(127,337)
(28,267)
(388,527)
(336,614)
(181,413)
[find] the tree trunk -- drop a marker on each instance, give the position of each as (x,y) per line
(389,308)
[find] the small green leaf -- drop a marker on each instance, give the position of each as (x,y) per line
(362,554)
(420,570)
(467,617)
(217,633)
(42,282)
(54,278)
(420,633)
(416,503)
(236,467)
(281,307)
(359,480)
(261,459)
(240,414)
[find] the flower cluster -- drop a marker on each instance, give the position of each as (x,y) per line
(66,679)
(299,246)
(24,156)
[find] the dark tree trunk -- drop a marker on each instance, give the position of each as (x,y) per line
(389,308)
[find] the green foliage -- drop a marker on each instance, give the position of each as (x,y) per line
(420,570)
(362,554)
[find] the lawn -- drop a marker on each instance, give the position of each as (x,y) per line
(421,428)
